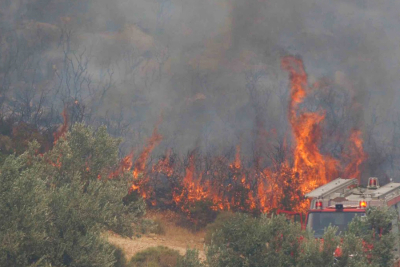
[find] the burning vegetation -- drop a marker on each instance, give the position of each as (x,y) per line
(63,128)
(223,184)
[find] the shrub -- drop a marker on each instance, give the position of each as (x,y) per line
(156,257)
(156,227)
(119,257)
(53,207)
(191,259)
(222,218)
(198,214)
(246,241)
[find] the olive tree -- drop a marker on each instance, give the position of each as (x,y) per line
(54,206)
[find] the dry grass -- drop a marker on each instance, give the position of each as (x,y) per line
(175,237)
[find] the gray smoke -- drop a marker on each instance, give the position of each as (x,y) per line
(210,70)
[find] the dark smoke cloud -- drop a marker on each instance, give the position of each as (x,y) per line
(211,69)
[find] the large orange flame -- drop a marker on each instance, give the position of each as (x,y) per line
(313,168)
(140,163)
(226,185)
(357,155)
(193,189)
(140,166)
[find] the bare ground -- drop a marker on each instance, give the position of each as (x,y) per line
(175,237)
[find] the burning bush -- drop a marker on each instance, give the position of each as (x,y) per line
(199,184)
(15,137)
(198,214)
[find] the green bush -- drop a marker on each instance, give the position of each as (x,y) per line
(191,259)
(120,258)
(53,207)
(246,241)
(156,257)
(222,218)
(157,227)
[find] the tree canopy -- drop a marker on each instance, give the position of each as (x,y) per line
(53,206)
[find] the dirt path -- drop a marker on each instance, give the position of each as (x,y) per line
(175,237)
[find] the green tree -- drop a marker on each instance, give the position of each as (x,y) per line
(247,241)
(53,207)
(374,231)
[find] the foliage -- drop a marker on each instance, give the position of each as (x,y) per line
(196,215)
(15,137)
(144,226)
(191,259)
(165,257)
(120,258)
(156,257)
(222,218)
(374,230)
(247,241)
(156,227)
(54,206)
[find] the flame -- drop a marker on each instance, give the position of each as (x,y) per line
(357,155)
(61,131)
(308,160)
(193,190)
(311,168)
(237,164)
(124,165)
(231,185)
(140,163)
(140,166)
(164,165)
(63,128)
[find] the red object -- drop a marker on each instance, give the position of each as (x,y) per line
(373,182)
(318,204)
(338,252)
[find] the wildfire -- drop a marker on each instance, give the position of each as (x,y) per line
(139,185)
(228,185)
(193,189)
(140,163)
(357,155)
(124,165)
(61,131)
(63,128)
(164,165)
(312,168)
(237,164)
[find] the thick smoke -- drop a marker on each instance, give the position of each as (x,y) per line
(208,73)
